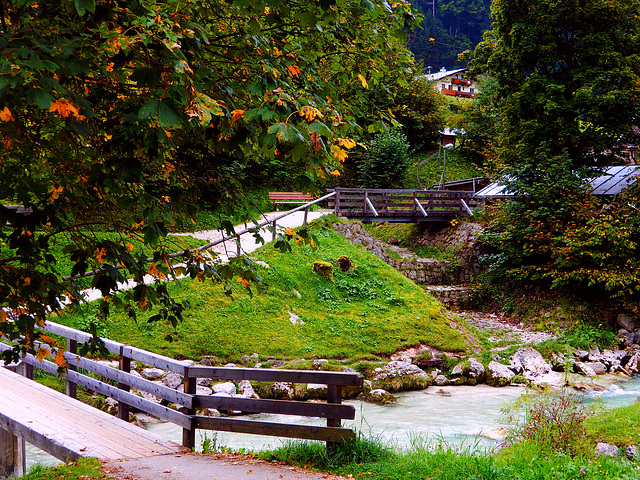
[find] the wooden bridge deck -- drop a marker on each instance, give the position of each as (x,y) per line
(67,428)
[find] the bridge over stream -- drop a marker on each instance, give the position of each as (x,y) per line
(67,428)
(401,206)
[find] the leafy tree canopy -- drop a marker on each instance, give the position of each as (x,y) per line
(112,111)
(565,88)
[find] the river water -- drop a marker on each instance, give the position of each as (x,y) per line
(462,416)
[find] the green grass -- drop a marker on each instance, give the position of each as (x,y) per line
(616,427)
(370,459)
(370,310)
(430,172)
(83,469)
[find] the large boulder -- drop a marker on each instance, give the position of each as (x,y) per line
(398,376)
(499,374)
(380,396)
(470,372)
(529,362)
(627,322)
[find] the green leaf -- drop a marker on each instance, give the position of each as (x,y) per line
(146,77)
(160,110)
(83,6)
(40,97)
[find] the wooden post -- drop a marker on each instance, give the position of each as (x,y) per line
(334,395)
(273,232)
(189,434)
(337,202)
(12,455)
(72,389)
(306,212)
(239,246)
(125,366)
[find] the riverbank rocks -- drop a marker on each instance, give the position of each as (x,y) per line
(380,396)
(470,372)
(398,376)
(529,362)
(499,374)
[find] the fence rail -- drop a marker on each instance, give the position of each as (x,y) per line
(117,382)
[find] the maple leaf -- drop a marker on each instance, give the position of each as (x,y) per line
(5,114)
(237,114)
(65,109)
(294,70)
(244,282)
(363,80)
(42,353)
(315,141)
(101,255)
(289,231)
(59,359)
(339,153)
(335,173)
(310,113)
(346,142)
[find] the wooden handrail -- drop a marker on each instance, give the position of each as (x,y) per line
(188,420)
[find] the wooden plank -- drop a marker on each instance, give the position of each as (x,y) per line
(282,407)
(105,389)
(67,428)
(308,432)
(276,375)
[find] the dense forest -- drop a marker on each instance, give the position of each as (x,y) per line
(449,28)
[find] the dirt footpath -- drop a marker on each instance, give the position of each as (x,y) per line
(193,466)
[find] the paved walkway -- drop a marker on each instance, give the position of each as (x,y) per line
(229,248)
(192,466)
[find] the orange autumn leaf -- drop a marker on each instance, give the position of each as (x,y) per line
(346,142)
(237,115)
(42,353)
(290,231)
(5,114)
(339,153)
(310,113)
(243,281)
(294,70)
(101,255)
(363,80)
(59,359)
(65,109)
(335,173)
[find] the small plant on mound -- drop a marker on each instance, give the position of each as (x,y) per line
(324,269)
(385,162)
(345,263)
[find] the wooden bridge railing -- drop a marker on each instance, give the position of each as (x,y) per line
(401,205)
(116,383)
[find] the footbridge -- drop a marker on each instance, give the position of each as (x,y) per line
(401,206)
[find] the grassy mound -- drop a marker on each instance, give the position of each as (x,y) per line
(366,312)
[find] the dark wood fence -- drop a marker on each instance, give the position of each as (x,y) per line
(401,205)
(117,383)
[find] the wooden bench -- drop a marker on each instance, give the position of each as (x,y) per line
(64,427)
(279,198)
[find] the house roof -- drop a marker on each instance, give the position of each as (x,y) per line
(612,181)
(443,73)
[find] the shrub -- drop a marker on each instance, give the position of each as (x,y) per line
(553,422)
(385,162)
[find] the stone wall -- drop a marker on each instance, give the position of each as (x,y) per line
(424,271)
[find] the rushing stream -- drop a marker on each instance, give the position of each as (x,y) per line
(468,416)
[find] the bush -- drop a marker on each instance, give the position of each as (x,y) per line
(553,423)
(385,162)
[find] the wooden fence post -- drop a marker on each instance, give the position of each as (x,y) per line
(125,366)
(72,388)
(189,434)
(334,395)
(306,213)
(12,455)
(273,232)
